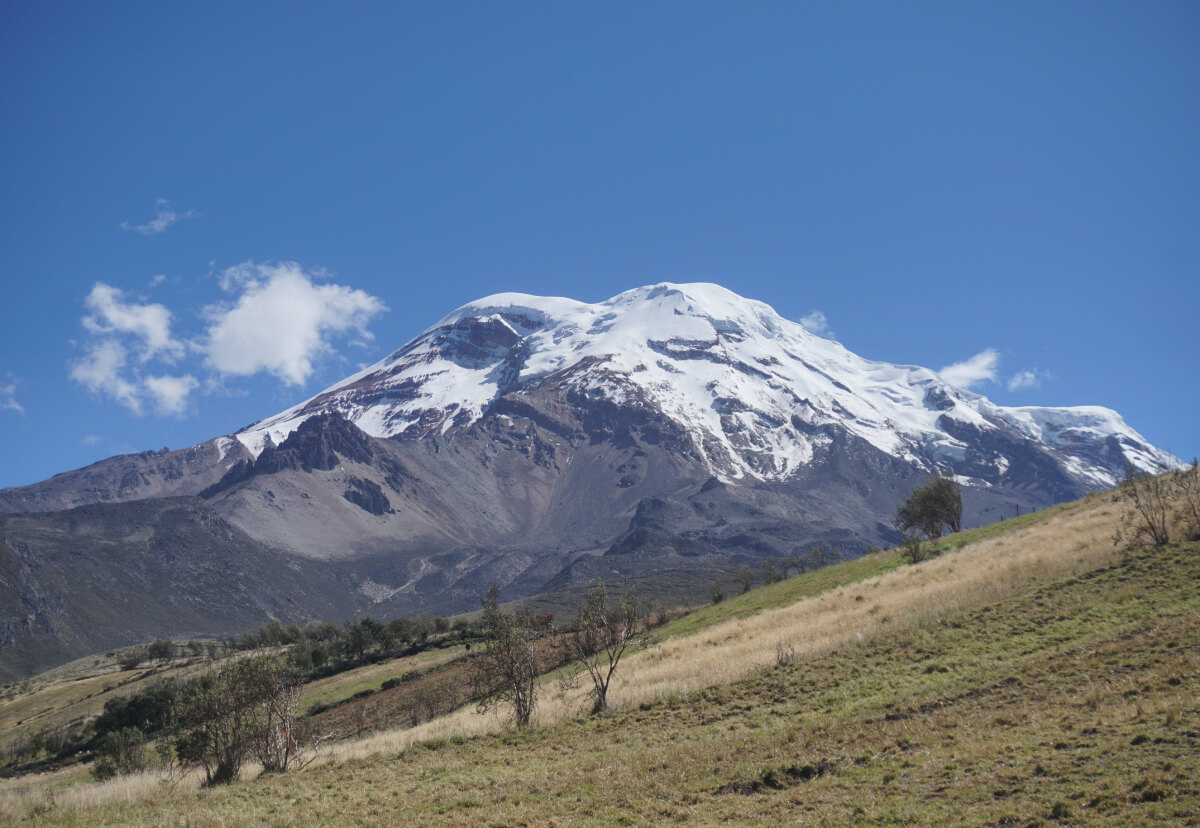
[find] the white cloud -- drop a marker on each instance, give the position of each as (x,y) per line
(101,370)
(149,323)
(122,329)
(977,369)
(164,216)
(158,280)
(104,370)
(92,440)
(1026,379)
(281,322)
(8,397)
(170,394)
(817,323)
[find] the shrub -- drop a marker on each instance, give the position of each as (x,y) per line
(148,711)
(745,577)
(1149,522)
(161,650)
(912,550)
(121,752)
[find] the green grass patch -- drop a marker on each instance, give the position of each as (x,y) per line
(342,686)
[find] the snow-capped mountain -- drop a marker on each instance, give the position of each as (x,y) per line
(662,438)
(752,390)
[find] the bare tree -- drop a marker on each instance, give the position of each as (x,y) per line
(1150,495)
(276,738)
(1189,492)
(243,708)
(506,672)
(131,657)
(601,635)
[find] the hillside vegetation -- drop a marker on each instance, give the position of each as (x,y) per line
(1032,673)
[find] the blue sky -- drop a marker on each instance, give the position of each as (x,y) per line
(208,212)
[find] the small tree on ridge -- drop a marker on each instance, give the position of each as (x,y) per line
(931,507)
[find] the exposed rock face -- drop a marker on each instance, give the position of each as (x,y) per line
(539,444)
(368,496)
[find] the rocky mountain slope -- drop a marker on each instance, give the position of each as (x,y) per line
(83,580)
(541,443)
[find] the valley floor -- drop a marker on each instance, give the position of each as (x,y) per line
(1073,703)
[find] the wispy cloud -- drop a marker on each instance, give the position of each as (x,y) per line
(101,370)
(105,370)
(165,215)
(280,321)
(979,368)
(817,323)
(1026,379)
(170,394)
(8,397)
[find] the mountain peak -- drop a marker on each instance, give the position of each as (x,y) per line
(759,394)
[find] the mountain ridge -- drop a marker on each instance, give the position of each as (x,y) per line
(542,444)
(773,381)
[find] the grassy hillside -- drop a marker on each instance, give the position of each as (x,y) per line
(73,693)
(1034,675)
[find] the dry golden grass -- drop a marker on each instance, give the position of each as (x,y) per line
(20,797)
(1073,540)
